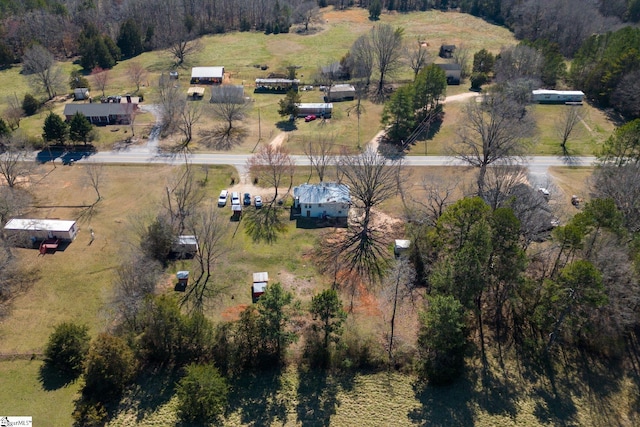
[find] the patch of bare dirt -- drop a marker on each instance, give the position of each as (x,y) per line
(233,313)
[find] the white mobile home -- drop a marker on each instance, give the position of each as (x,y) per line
(319,109)
(25,232)
(546,96)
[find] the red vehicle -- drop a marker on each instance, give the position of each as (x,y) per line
(310,118)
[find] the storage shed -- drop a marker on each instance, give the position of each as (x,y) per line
(225,94)
(260,282)
(25,232)
(81,93)
(319,109)
(185,246)
(207,75)
(546,96)
(400,247)
(195,92)
(453,73)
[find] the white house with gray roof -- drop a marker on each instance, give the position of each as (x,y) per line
(324,200)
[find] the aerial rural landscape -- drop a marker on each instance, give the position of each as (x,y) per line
(320,213)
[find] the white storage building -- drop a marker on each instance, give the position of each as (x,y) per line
(24,231)
(547,96)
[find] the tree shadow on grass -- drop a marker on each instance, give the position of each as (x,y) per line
(54,379)
(256,395)
(287,125)
(317,396)
(444,406)
(154,388)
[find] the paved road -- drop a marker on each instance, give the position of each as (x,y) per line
(537,163)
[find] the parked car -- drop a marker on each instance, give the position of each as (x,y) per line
(310,118)
(257,201)
(235,198)
(246,200)
(222,200)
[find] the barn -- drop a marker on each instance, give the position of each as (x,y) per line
(547,96)
(207,75)
(227,94)
(25,232)
(316,108)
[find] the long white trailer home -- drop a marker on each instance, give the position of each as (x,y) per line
(547,96)
(25,232)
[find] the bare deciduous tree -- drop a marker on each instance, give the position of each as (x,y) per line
(306,13)
(462,56)
(136,279)
(136,73)
(228,109)
(492,131)
(14,162)
(518,62)
(182,47)
(372,179)
(361,59)
(438,194)
(171,101)
(184,196)
(190,114)
(270,165)
(416,55)
(100,78)
(209,229)
(14,201)
(95,175)
(14,112)
(400,285)
(45,74)
(386,43)
(565,126)
(319,150)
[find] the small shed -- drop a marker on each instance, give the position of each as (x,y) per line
(185,246)
(81,93)
(25,232)
(401,247)
(183,281)
(195,92)
(342,92)
(319,109)
(260,282)
(446,50)
(207,75)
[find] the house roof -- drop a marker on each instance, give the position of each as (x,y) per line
(343,88)
(325,192)
(226,93)
(96,109)
(39,224)
(207,72)
(448,46)
(450,67)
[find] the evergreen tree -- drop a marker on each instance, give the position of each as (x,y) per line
(30,104)
(67,348)
(326,309)
(77,80)
(483,61)
(4,128)
(130,39)
(399,114)
(55,129)
(442,339)
(274,309)
(289,104)
(202,394)
(80,128)
(109,368)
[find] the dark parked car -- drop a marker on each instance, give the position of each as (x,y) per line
(246,200)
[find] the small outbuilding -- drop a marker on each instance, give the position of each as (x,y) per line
(207,75)
(342,92)
(320,109)
(27,232)
(183,281)
(185,246)
(195,92)
(447,50)
(81,93)
(401,247)
(259,286)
